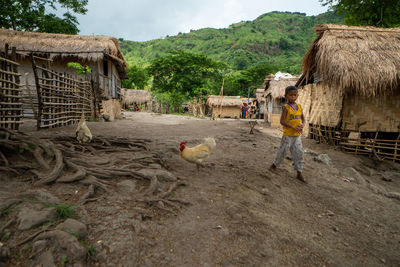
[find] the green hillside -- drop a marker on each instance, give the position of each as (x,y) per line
(279,38)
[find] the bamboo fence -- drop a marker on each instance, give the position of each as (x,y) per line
(352,142)
(62,97)
(10,91)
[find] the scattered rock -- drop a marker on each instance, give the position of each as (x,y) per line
(41,195)
(330,213)
(39,245)
(323,158)
(395,195)
(29,218)
(162,175)
(106,117)
(45,259)
(63,241)
(390,176)
(334,228)
(352,175)
(318,233)
(264,191)
(73,226)
(126,186)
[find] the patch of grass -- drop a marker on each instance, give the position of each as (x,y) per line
(150,160)
(5,237)
(5,212)
(89,248)
(182,114)
(64,211)
(64,260)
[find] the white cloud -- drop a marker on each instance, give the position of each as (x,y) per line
(141,20)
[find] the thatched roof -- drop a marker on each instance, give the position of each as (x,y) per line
(89,48)
(224,101)
(131,96)
(361,60)
(277,88)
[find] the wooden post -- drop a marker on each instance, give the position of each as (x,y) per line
(39,93)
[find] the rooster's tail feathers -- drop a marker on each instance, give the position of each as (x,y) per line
(210,142)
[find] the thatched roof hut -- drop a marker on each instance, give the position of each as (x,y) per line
(225,106)
(225,101)
(361,60)
(277,88)
(132,96)
(87,48)
(351,84)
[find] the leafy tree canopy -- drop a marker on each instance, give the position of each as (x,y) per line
(183,73)
(35,15)
(138,78)
(381,13)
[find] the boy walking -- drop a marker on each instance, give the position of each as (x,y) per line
(292,120)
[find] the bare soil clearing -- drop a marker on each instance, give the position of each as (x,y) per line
(234,212)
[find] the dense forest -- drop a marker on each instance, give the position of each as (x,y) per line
(277,38)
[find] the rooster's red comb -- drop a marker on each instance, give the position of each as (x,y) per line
(183,143)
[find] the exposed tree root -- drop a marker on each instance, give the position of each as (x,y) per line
(78,175)
(63,160)
(55,173)
(4,159)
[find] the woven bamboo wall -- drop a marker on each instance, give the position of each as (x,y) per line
(275,120)
(226,111)
(304,100)
(10,94)
(112,108)
(379,113)
(62,98)
(326,105)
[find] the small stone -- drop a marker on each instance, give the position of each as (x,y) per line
(318,233)
(126,186)
(39,245)
(323,158)
(264,191)
(330,213)
(383,260)
(74,227)
(46,259)
(334,228)
(29,218)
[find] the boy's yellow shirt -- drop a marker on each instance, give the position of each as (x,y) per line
(293,117)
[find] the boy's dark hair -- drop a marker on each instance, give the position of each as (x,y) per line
(290,88)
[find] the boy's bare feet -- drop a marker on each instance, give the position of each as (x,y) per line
(300,177)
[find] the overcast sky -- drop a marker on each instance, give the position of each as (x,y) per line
(143,20)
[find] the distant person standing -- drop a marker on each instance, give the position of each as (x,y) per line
(249,110)
(292,120)
(244,110)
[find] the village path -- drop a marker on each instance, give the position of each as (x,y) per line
(240,213)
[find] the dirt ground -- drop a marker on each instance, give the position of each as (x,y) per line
(240,214)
